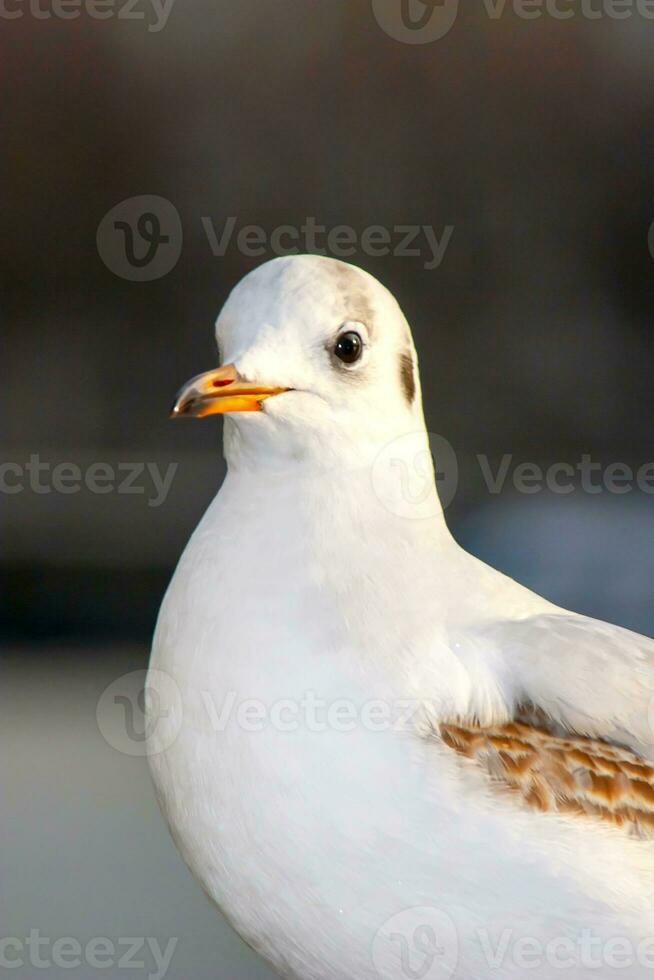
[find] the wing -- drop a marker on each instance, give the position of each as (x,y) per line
(581,731)
(587,676)
(575,776)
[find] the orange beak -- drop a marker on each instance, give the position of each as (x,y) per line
(219,391)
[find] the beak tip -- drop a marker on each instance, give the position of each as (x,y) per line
(219,392)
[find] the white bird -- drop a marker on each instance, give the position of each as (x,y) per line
(379,756)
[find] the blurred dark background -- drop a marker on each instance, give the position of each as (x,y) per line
(533,139)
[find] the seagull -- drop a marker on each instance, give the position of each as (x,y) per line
(379,756)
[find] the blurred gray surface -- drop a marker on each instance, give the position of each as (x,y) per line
(85,852)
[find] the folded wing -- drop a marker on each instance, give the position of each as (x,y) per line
(580,739)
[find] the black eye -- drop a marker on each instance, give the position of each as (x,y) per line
(348,347)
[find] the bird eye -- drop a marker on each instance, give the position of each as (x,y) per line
(348,347)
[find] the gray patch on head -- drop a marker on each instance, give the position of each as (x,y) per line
(354,290)
(407,376)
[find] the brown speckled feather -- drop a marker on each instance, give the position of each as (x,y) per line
(562,773)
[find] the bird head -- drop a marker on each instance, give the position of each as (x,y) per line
(318,362)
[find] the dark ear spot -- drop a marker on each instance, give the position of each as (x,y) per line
(406,377)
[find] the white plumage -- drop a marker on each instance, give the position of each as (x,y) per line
(317,641)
